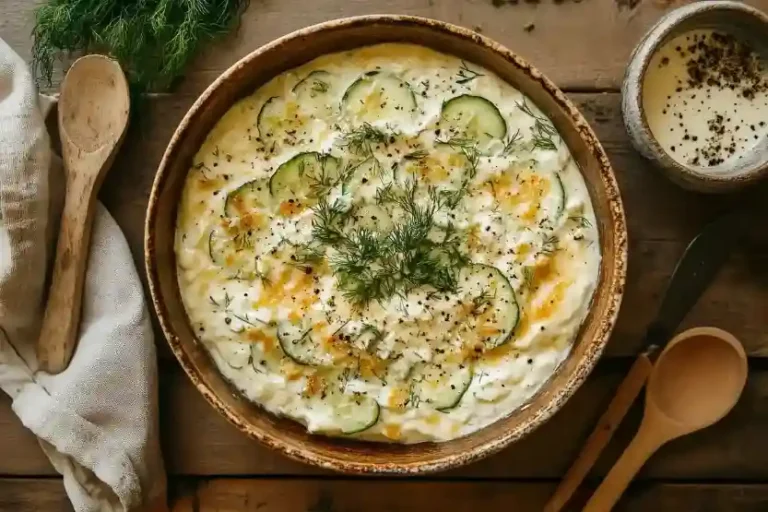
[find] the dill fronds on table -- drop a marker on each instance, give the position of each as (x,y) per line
(154,40)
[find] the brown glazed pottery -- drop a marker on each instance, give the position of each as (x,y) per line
(290,437)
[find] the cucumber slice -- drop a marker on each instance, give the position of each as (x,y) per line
(235,354)
(304,177)
(315,93)
(271,117)
(348,413)
(379,96)
(473,117)
(299,344)
(500,312)
(253,195)
(231,251)
(441,385)
(553,205)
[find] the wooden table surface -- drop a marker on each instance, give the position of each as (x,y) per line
(583,46)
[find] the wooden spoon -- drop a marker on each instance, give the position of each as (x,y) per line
(93,116)
(697,380)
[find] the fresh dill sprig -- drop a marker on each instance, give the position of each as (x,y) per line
(543,132)
(550,245)
(419,154)
(243,240)
(468,148)
(153,40)
(527,278)
(385,194)
(246,320)
(511,143)
(328,221)
(226,301)
(466,74)
(359,140)
(320,183)
(372,266)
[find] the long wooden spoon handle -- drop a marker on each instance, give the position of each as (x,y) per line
(645,443)
(625,396)
(59,331)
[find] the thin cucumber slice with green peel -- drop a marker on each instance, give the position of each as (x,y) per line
(473,117)
(233,251)
(304,178)
(299,343)
(348,413)
(497,309)
(315,93)
(441,385)
(253,195)
(377,96)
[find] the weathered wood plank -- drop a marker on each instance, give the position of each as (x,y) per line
(322,495)
(568,42)
(197,441)
(411,496)
(33,495)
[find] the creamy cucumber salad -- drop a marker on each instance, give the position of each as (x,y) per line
(389,243)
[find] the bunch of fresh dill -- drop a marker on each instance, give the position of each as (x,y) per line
(153,40)
(374,266)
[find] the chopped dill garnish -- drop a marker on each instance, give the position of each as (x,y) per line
(226,302)
(543,132)
(372,266)
(466,74)
(419,154)
(319,85)
(319,183)
(359,140)
(511,143)
(328,221)
(581,221)
(246,320)
(243,240)
(527,278)
(550,245)
(385,194)
(468,148)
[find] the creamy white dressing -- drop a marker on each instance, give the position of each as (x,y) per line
(699,115)
(525,211)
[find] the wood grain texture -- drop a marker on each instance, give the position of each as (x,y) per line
(389,496)
(568,41)
(320,495)
(197,441)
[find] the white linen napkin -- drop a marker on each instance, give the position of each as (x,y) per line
(97,420)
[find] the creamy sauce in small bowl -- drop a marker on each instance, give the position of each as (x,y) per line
(389,244)
(695,95)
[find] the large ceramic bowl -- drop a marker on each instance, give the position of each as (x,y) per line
(286,435)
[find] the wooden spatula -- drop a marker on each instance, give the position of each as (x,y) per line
(93,115)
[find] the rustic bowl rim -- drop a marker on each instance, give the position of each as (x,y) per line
(616,223)
(633,86)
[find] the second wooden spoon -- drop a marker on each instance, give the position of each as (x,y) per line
(697,380)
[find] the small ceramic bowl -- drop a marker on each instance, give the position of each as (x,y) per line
(751,26)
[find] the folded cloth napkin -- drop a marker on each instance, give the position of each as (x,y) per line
(97,420)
